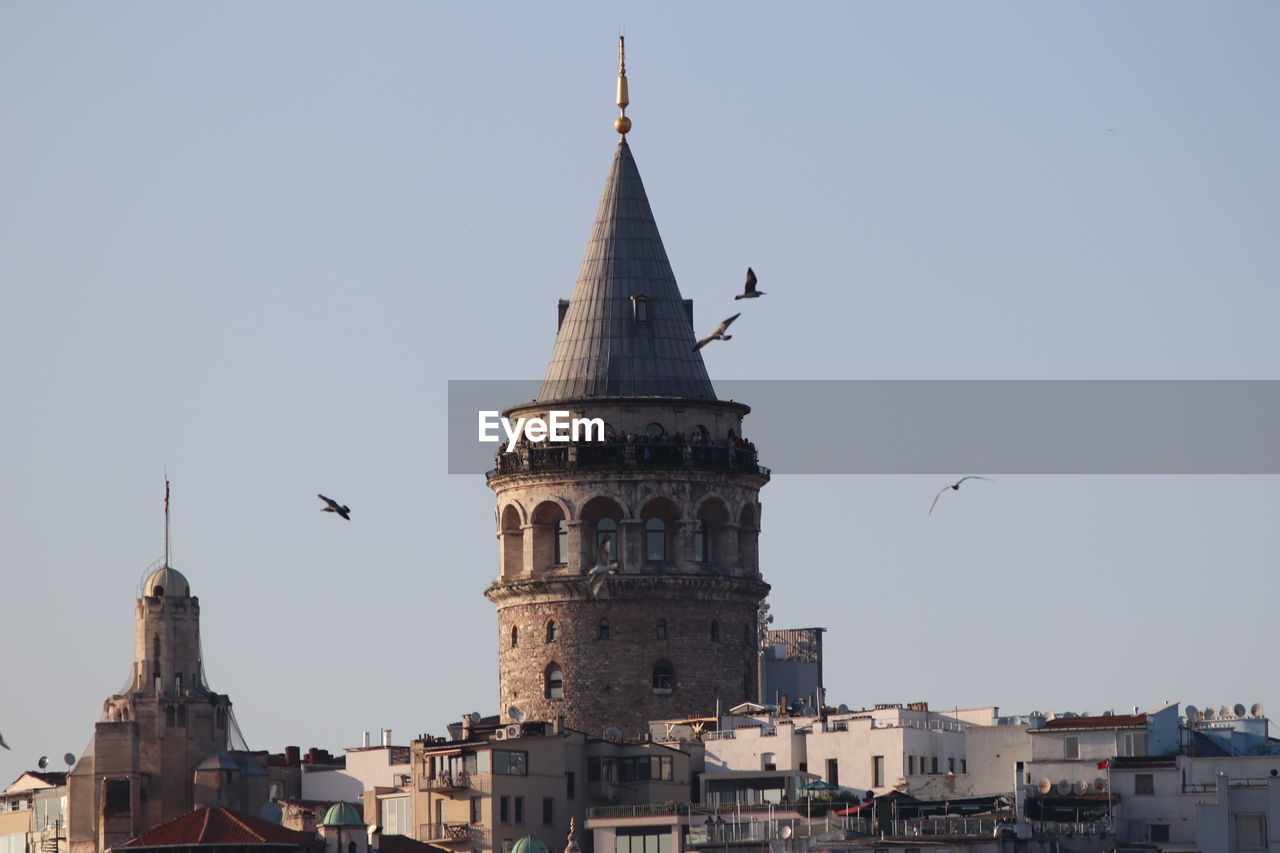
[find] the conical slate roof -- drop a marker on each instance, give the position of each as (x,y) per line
(604,347)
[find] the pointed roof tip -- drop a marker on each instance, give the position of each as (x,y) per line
(627,331)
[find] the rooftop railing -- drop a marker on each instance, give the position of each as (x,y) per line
(628,455)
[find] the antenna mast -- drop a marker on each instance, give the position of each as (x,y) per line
(166,521)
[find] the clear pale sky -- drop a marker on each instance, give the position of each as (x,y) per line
(252,242)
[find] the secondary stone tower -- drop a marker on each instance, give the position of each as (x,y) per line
(669,502)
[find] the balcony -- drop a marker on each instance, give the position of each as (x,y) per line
(446,783)
(455,834)
(629,456)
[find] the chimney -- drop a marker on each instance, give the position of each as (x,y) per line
(386,737)
(365,741)
(292,755)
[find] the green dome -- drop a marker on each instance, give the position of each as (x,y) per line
(529,844)
(342,814)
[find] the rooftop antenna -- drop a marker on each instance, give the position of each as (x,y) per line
(166,517)
(622,124)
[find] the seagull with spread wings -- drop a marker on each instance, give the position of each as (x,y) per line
(718,334)
(955,486)
(601,571)
(334,506)
(2,743)
(749,289)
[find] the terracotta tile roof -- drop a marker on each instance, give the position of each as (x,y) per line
(1114,721)
(216,826)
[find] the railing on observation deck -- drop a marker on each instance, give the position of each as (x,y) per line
(455,833)
(628,455)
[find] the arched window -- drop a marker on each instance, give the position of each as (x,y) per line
(602,630)
(608,527)
(715,630)
(655,540)
(654,431)
(661,630)
(700,541)
(664,678)
(552,631)
(562,542)
(515,636)
(351,847)
(554,681)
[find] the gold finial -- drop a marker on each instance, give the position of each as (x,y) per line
(622,124)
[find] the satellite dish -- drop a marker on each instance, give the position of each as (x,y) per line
(271,813)
(1193,713)
(1086,713)
(1064,787)
(786,831)
(475,718)
(69,759)
(43,762)
(1100,783)
(1209,713)
(1050,715)
(1224,712)
(1239,709)
(843,709)
(613,733)
(516,714)
(1256,710)
(1081,787)
(1044,786)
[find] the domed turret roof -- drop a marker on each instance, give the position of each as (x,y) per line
(342,814)
(166,582)
(529,844)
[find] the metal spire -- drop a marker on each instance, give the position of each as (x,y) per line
(166,522)
(622,124)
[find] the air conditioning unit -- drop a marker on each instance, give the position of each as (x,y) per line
(500,734)
(513,731)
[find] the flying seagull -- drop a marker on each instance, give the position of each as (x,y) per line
(334,506)
(955,486)
(2,743)
(749,291)
(718,334)
(597,576)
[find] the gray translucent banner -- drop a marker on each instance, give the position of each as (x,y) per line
(991,427)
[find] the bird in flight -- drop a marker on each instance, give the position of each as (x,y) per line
(955,486)
(749,290)
(334,506)
(2,743)
(601,571)
(718,334)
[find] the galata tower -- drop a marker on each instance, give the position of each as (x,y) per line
(629,581)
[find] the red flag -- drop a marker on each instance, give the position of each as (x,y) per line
(1104,764)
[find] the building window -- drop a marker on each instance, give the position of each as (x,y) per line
(660,631)
(508,762)
(515,636)
(664,679)
(552,631)
(877,771)
(655,540)
(655,431)
(607,527)
(1133,743)
(602,630)
(177,682)
(645,839)
(933,764)
(562,542)
(640,308)
(715,631)
(951,765)
(519,804)
(700,541)
(911,765)
(1071,747)
(548,810)
(351,847)
(964,765)
(170,716)
(1251,832)
(475,810)
(1144,783)
(1158,831)
(768,761)
(833,771)
(570,785)
(555,682)
(504,809)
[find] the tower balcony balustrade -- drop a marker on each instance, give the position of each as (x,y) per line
(455,834)
(628,456)
(446,783)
